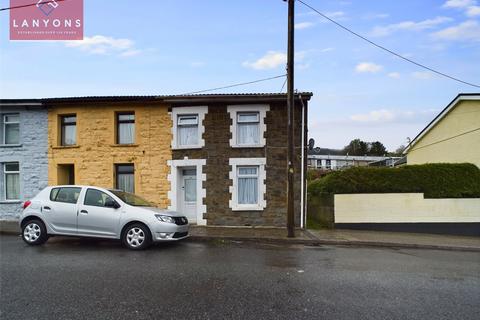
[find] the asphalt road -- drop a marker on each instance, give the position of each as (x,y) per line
(86,279)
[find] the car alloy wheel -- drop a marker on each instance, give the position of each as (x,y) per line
(135,237)
(32,232)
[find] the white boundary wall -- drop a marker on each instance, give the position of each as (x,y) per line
(403,208)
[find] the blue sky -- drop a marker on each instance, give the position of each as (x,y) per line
(170,47)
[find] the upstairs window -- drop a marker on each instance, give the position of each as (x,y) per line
(126,128)
(68,130)
(248,128)
(187,127)
(12,180)
(11,129)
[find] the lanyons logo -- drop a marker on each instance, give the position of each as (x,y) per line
(47,6)
(46,20)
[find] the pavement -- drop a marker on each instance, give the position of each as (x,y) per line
(319,237)
(71,278)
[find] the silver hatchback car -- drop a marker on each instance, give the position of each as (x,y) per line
(86,211)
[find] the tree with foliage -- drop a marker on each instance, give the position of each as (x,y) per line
(377,149)
(356,147)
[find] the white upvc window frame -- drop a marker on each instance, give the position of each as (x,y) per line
(177,113)
(5,173)
(5,123)
(235,110)
(237,163)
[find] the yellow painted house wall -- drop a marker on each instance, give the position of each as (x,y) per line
(96,153)
(445,142)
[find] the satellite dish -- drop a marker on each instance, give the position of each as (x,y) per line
(311,144)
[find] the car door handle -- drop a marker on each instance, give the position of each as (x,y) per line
(46,208)
(84,211)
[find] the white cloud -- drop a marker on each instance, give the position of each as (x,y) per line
(271,60)
(105,45)
(381,31)
(369,67)
(473,11)
(197,64)
(470,7)
(389,116)
(372,16)
(422,75)
(274,59)
(327,49)
(304,25)
(130,53)
(465,31)
(394,75)
(335,15)
(458,3)
(374,116)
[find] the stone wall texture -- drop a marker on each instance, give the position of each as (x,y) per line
(31,155)
(217,152)
(96,153)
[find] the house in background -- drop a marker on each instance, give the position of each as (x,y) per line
(453,136)
(23,153)
(220,158)
(339,162)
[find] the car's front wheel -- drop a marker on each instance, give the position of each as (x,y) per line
(136,237)
(34,232)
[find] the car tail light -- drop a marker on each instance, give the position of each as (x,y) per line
(26,204)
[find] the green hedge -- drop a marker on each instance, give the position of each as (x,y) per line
(439,180)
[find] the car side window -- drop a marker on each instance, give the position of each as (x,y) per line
(96,198)
(66,195)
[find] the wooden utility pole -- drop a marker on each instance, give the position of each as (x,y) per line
(290,109)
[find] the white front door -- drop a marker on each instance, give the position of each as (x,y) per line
(189,194)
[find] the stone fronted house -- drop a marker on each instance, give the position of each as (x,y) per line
(218,158)
(23,154)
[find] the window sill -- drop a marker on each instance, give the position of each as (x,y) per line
(244,146)
(11,201)
(129,145)
(66,147)
(247,208)
(10,145)
(186,147)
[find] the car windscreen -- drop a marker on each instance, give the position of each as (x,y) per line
(131,199)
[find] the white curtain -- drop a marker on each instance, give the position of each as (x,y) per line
(188,135)
(248,133)
(12,183)
(69,135)
(126,133)
(247,191)
(126,182)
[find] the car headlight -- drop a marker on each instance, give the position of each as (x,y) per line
(165,218)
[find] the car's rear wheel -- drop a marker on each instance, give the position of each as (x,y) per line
(136,237)
(34,232)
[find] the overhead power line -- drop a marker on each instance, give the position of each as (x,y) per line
(237,84)
(388,50)
(28,5)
